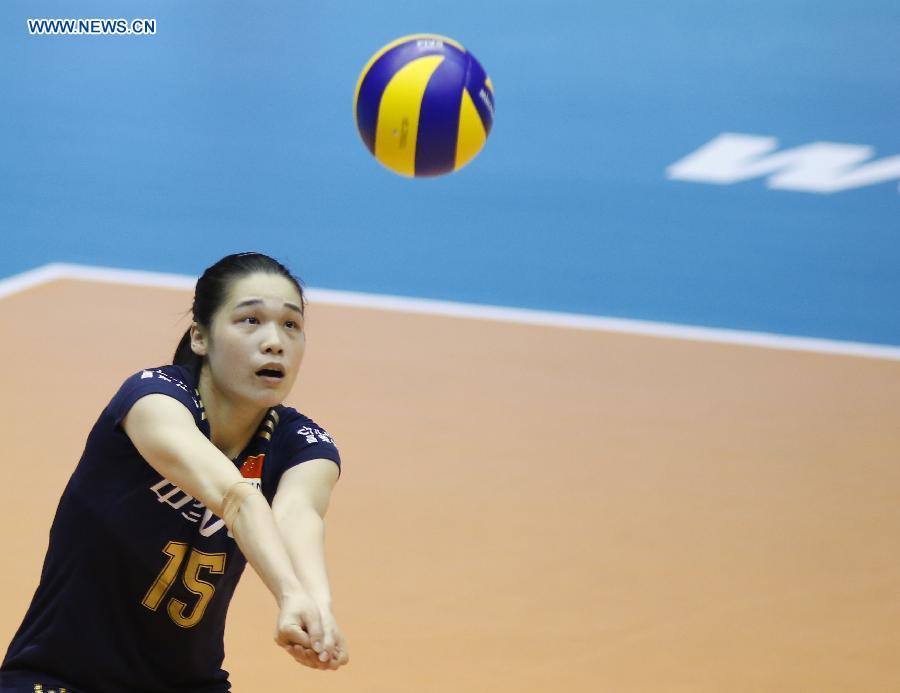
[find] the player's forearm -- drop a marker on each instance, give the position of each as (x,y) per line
(303,531)
(257,535)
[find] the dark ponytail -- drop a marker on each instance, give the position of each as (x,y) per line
(212,290)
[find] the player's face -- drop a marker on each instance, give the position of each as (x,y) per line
(256,340)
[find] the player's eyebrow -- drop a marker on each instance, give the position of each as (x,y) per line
(259,301)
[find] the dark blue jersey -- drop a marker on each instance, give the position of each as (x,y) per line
(139,574)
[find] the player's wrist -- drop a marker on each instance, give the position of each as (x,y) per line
(324,605)
(291,590)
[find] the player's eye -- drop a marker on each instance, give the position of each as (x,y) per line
(250,320)
(291,325)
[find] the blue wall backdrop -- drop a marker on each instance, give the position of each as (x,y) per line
(231,128)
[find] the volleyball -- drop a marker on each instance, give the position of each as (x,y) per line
(423,105)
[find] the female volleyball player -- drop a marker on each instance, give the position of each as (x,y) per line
(190,470)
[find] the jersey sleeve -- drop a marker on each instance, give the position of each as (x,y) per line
(301,440)
(157,381)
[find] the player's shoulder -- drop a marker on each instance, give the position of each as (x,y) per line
(178,376)
(175,381)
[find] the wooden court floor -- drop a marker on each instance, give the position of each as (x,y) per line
(526,509)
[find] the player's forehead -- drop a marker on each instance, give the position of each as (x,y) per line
(262,288)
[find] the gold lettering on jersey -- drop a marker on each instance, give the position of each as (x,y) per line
(181,614)
(177,609)
(175,550)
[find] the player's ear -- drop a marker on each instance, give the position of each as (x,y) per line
(198,339)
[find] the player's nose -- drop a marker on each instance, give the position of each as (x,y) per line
(271,340)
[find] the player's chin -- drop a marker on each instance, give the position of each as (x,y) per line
(269,394)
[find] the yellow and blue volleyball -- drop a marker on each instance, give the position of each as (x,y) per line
(424,106)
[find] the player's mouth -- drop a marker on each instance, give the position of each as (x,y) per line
(271,373)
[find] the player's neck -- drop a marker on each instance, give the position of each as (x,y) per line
(231,424)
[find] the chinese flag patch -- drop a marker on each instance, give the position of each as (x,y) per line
(252,467)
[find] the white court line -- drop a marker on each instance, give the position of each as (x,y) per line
(56,271)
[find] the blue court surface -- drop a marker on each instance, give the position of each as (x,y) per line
(722,164)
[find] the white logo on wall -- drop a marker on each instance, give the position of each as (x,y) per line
(819,167)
